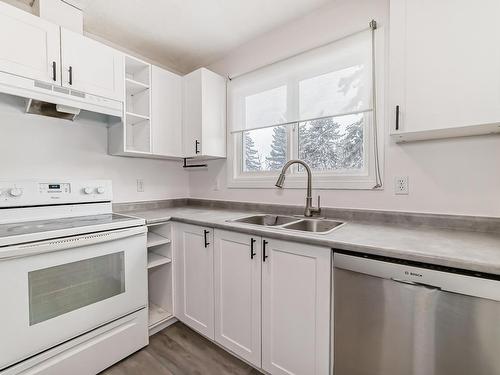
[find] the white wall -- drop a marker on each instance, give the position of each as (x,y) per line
(41,147)
(456,176)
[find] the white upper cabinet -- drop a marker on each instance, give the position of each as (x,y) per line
(445,63)
(296,281)
(204,114)
(237,294)
(29,45)
(91,67)
(166,116)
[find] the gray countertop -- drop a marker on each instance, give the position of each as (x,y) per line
(474,251)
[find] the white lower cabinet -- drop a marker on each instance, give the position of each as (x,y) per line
(265,300)
(238,294)
(194,277)
(296,282)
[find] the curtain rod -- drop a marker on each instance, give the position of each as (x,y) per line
(371,26)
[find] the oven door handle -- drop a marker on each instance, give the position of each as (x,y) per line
(64,243)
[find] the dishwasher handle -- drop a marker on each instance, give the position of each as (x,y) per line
(415,283)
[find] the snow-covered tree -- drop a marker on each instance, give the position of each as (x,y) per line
(353,146)
(321,144)
(277,157)
(252,159)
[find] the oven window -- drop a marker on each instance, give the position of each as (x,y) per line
(58,290)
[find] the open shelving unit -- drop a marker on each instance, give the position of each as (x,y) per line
(137,120)
(160,280)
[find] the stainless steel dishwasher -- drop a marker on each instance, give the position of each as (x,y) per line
(395,317)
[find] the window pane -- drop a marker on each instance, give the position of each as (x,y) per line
(333,93)
(333,143)
(265,149)
(266,108)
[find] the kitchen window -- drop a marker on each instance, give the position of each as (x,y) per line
(317,106)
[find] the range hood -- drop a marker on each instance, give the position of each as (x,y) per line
(56,101)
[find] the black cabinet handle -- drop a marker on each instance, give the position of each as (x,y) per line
(196,144)
(205,233)
(70,75)
(252,253)
(264,256)
(397,117)
(54,67)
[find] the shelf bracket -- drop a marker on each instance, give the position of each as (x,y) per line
(185,165)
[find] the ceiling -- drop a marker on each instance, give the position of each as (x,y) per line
(187,34)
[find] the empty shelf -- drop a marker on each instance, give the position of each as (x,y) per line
(135,118)
(157,315)
(134,87)
(155,260)
(156,240)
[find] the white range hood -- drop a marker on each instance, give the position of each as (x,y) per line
(37,91)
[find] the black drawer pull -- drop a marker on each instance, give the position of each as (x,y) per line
(54,68)
(397,117)
(205,233)
(252,253)
(264,256)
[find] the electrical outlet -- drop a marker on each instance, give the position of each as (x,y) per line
(140,186)
(401,185)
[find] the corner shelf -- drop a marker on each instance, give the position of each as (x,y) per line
(455,132)
(155,260)
(134,87)
(157,315)
(156,240)
(135,118)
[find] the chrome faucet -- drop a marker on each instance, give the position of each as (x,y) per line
(309,209)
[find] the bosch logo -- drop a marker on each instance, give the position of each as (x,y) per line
(409,273)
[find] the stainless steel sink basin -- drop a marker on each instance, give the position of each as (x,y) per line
(267,220)
(314,225)
(320,226)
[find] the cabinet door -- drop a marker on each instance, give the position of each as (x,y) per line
(192,113)
(296,297)
(92,67)
(237,294)
(213,128)
(29,45)
(194,269)
(166,117)
(445,63)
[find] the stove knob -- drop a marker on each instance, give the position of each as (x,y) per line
(15,192)
(101,190)
(88,190)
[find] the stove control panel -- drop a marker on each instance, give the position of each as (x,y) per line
(26,193)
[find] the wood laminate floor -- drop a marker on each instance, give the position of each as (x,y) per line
(178,350)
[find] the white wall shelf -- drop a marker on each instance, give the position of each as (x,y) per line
(134,87)
(462,131)
(155,260)
(135,118)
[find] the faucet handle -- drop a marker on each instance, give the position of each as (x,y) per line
(319,204)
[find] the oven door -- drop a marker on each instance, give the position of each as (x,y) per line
(53,291)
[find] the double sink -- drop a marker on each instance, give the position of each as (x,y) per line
(320,226)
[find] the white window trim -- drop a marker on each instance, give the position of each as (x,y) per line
(236,179)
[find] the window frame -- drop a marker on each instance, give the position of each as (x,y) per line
(237,178)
